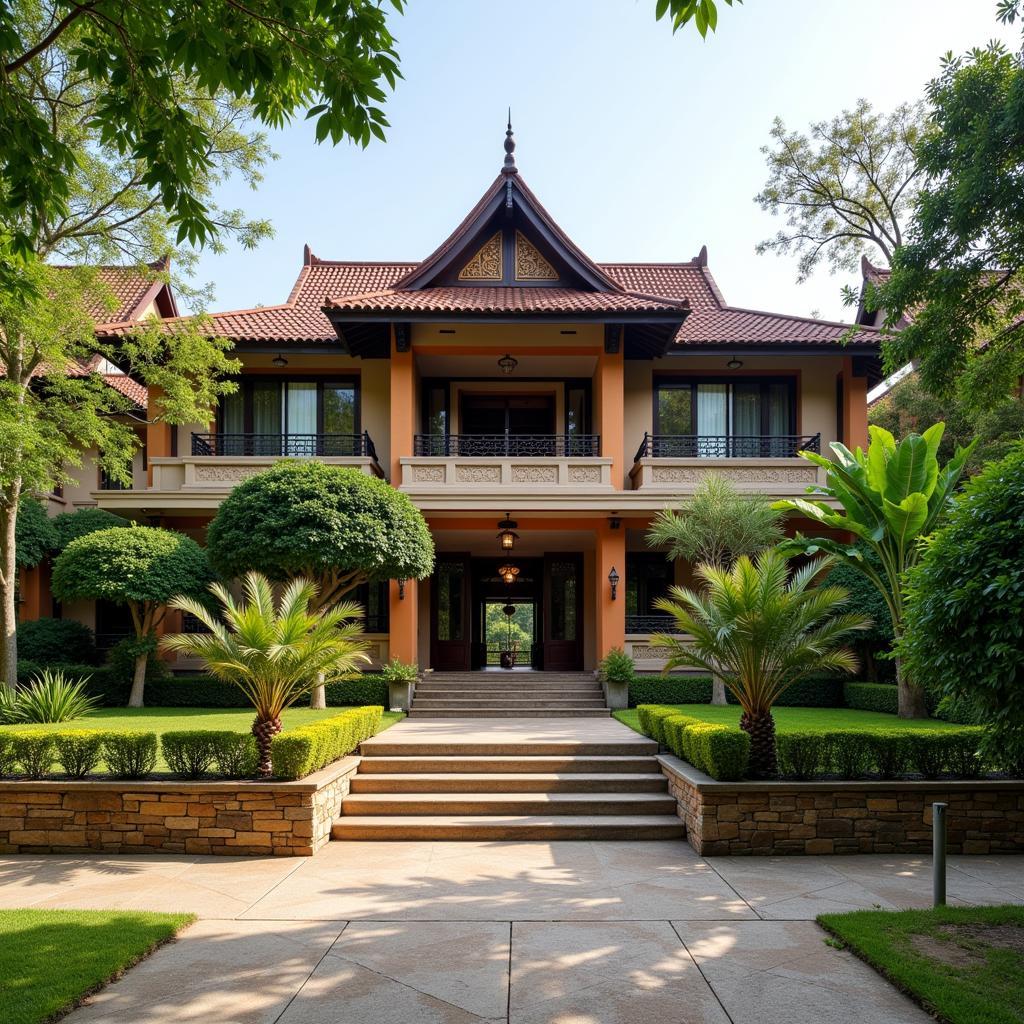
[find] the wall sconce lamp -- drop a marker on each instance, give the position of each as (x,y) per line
(614,522)
(507,363)
(507,536)
(613,579)
(734,364)
(279,360)
(401,589)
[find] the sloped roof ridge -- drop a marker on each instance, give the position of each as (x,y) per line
(794,317)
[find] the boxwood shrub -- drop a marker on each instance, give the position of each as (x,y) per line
(33,753)
(815,692)
(882,697)
(299,752)
(188,752)
(79,752)
(130,755)
(56,641)
(721,751)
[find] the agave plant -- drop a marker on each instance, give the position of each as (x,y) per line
(51,697)
(272,651)
(762,630)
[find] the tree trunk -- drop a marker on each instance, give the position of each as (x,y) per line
(318,695)
(762,744)
(138,681)
(9,609)
(911,703)
(718,690)
(265,730)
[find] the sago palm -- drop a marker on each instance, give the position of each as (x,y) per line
(272,651)
(762,630)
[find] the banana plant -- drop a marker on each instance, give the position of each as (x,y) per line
(889,498)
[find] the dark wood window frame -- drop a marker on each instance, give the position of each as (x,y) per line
(690,382)
(321,380)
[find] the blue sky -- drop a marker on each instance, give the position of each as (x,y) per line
(641,144)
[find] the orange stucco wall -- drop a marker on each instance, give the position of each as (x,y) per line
(610,616)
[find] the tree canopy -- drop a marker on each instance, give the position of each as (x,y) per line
(143,567)
(845,187)
(702,13)
(70,526)
(35,536)
(333,524)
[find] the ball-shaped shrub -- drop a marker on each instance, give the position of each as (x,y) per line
(964,624)
(72,525)
(332,523)
(56,642)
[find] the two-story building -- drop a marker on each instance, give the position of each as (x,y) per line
(539,407)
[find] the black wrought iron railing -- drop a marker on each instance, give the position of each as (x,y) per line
(297,445)
(644,624)
(731,446)
(521,655)
(514,445)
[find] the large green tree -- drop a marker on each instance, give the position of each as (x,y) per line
(845,187)
(142,567)
(333,525)
(889,498)
(959,270)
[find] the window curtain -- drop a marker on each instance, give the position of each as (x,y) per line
(712,420)
(266,417)
(300,417)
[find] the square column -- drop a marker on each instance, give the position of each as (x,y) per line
(609,615)
(855,407)
(160,438)
(609,410)
(402,404)
(403,622)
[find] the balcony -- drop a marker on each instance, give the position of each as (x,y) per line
(300,446)
(755,463)
(482,463)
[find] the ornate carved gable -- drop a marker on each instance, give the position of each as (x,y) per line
(530,264)
(487,263)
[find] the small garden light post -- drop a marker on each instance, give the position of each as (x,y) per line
(939,854)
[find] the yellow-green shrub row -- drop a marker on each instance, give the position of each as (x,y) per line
(302,751)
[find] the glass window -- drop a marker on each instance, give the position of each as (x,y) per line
(563,600)
(648,577)
(266,417)
(449,580)
(340,409)
(675,410)
(232,413)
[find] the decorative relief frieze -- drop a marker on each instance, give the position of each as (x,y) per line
(224,474)
(428,474)
(737,474)
(530,264)
(486,265)
(535,474)
(584,474)
(645,652)
(478,474)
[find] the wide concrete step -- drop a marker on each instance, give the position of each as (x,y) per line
(381,746)
(507,803)
(500,701)
(509,827)
(533,675)
(469,690)
(523,712)
(508,782)
(621,765)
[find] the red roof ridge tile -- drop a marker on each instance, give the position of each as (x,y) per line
(798,319)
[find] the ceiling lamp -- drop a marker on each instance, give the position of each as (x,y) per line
(734,364)
(507,364)
(279,360)
(508,572)
(507,536)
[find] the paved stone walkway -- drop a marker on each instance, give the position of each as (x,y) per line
(530,933)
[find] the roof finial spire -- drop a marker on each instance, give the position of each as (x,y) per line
(509,167)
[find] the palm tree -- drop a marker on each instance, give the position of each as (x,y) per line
(763,631)
(272,652)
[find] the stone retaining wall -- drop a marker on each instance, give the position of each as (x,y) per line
(283,819)
(773,818)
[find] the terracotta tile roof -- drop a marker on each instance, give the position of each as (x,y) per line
(133,291)
(658,287)
(129,387)
(505,300)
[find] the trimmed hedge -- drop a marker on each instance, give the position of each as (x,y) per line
(130,755)
(49,641)
(721,751)
(197,752)
(79,751)
(882,697)
(300,752)
(854,753)
(815,692)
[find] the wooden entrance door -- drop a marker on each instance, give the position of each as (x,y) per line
(450,625)
(563,612)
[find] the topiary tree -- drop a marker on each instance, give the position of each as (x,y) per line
(142,567)
(964,619)
(335,526)
(70,526)
(715,527)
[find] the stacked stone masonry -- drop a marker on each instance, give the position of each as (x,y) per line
(284,819)
(776,818)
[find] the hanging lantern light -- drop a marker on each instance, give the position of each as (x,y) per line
(507,364)
(507,535)
(509,610)
(508,572)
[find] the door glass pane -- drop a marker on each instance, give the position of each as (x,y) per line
(340,425)
(266,417)
(674,411)
(746,419)
(576,421)
(448,578)
(300,417)
(712,422)
(232,424)
(780,418)
(563,600)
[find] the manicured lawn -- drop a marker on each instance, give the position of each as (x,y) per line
(51,959)
(965,965)
(799,719)
(161,720)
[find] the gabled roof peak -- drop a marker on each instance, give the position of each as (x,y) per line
(509,166)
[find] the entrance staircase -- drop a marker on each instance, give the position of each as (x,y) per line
(515,780)
(509,694)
